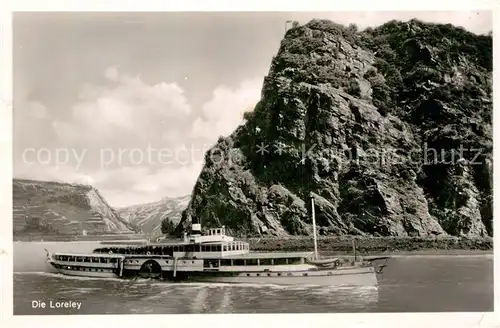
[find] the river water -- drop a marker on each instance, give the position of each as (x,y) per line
(408,284)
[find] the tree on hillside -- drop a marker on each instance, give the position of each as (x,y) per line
(167,227)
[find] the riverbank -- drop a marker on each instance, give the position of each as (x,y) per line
(377,245)
(70,238)
(327,245)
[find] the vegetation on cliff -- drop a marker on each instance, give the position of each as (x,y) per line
(388,129)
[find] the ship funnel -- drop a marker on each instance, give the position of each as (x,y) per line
(196,229)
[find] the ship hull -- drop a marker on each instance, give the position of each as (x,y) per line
(87,273)
(346,277)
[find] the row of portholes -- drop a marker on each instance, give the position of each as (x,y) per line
(280,274)
(88,269)
(183,262)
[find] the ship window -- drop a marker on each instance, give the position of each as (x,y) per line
(294,260)
(289,274)
(167,262)
(238,262)
(218,248)
(248,274)
(266,262)
(268,274)
(192,262)
(279,261)
(225,262)
(304,274)
(279,274)
(251,262)
(258,274)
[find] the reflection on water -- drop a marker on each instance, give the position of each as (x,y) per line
(99,296)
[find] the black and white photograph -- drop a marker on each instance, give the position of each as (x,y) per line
(252,162)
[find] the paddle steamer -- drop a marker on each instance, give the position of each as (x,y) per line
(216,257)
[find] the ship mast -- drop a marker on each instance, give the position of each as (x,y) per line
(314,229)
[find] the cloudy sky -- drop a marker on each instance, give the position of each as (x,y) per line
(130,102)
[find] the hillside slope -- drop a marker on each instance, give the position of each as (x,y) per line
(388,129)
(148,217)
(45,207)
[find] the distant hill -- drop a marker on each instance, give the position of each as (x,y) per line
(53,208)
(148,217)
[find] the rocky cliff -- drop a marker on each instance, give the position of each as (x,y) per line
(388,129)
(45,207)
(148,217)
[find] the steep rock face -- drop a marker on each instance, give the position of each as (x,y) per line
(62,208)
(370,124)
(148,217)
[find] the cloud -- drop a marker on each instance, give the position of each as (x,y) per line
(144,185)
(130,108)
(126,124)
(29,120)
(224,112)
(111,73)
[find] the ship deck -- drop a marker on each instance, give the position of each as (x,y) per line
(105,255)
(267,255)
